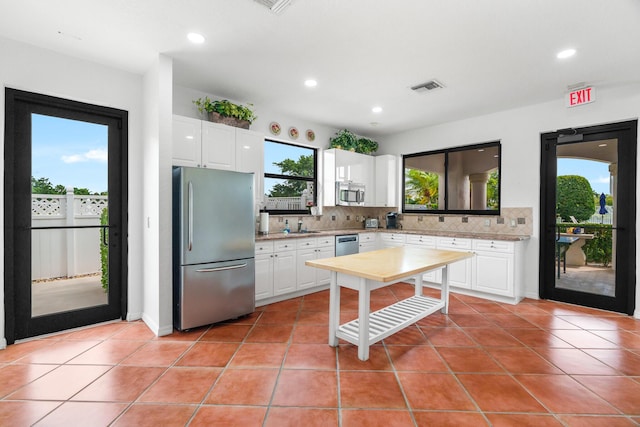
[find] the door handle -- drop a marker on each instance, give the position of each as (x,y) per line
(190,216)
(104,236)
(229,267)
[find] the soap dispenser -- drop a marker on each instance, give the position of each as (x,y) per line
(287,230)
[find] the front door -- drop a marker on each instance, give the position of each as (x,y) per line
(65,214)
(588,216)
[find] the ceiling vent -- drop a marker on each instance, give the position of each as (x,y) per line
(276,6)
(427,86)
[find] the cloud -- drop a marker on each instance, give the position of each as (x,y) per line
(602,180)
(98,155)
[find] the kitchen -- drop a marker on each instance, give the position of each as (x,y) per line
(153,96)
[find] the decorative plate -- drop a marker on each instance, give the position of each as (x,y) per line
(275,128)
(311,135)
(293,133)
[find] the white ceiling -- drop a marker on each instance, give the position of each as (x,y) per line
(491,55)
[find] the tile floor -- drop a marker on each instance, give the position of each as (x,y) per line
(538,363)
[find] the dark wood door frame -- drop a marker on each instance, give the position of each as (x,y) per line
(626,132)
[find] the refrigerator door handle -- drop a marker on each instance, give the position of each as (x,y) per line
(190,221)
(230,267)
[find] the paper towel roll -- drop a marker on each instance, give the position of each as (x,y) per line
(264,223)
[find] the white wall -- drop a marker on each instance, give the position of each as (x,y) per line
(33,69)
(519,131)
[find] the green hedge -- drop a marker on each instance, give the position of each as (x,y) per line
(104,251)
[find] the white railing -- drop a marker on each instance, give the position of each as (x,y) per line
(285,203)
(65,252)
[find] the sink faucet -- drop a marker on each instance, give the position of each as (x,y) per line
(299,225)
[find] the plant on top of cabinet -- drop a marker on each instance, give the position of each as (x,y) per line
(226,112)
(347,140)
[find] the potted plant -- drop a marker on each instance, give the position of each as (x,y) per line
(226,112)
(347,140)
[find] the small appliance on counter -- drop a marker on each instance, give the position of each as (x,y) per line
(392,220)
(371,223)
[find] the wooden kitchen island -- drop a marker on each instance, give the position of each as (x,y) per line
(368,271)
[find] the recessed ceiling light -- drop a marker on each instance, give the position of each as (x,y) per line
(377,109)
(310,83)
(195,38)
(602,145)
(567,53)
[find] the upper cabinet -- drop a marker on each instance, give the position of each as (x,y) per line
(187,142)
(377,173)
(386,170)
(198,143)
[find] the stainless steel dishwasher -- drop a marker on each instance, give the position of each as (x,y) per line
(347,244)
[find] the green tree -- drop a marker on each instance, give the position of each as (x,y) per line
(44,186)
(292,187)
(421,188)
(492,191)
(574,197)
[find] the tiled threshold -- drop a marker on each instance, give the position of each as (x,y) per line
(538,363)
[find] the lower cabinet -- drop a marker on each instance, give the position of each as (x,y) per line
(367,242)
(391,240)
(493,267)
(459,272)
(281,269)
(427,242)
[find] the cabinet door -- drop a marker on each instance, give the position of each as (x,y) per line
(264,276)
(368,246)
(305,275)
(218,146)
(385,181)
(493,273)
(186,142)
(250,158)
(460,274)
(284,272)
(323,277)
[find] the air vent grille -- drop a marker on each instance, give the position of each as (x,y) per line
(426,86)
(276,6)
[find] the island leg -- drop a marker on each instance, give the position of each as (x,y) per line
(444,292)
(418,282)
(363,319)
(334,309)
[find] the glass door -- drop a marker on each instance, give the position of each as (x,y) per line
(66,178)
(588,216)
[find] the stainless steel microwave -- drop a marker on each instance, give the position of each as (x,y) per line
(350,194)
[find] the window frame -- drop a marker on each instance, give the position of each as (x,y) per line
(313,179)
(446,151)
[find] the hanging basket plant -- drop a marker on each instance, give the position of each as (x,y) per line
(226,112)
(347,140)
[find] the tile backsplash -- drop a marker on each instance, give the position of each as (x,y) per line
(512,221)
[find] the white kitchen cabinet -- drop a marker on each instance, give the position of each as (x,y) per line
(494,268)
(459,272)
(311,249)
(386,180)
(187,142)
(218,146)
(284,267)
(250,158)
(264,270)
(392,240)
(275,268)
(367,242)
(427,242)
(341,165)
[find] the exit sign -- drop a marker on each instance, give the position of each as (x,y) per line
(581,96)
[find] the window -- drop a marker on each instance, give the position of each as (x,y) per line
(289,178)
(456,180)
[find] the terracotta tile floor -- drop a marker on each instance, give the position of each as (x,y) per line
(538,363)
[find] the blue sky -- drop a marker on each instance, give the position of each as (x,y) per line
(597,173)
(69,152)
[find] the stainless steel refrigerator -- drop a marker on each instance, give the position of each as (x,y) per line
(213,246)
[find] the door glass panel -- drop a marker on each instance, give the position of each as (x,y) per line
(585,217)
(69,264)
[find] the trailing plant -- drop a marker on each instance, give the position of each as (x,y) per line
(225,108)
(104,252)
